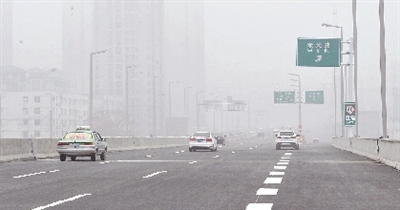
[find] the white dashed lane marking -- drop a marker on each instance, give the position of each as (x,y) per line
(61,201)
(273,180)
(33,174)
(267,191)
(282,163)
(154,174)
(280,167)
(259,206)
(277,173)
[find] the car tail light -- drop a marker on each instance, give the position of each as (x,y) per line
(88,143)
(192,139)
(208,139)
(278,137)
(62,143)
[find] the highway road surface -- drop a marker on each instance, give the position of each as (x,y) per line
(246,174)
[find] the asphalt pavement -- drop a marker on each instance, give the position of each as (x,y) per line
(244,174)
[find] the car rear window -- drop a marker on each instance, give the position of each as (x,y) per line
(78,136)
(201,134)
(286,133)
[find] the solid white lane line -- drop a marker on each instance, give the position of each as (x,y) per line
(54,171)
(273,180)
(276,173)
(192,162)
(280,167)
(148,161)
(288,153)
(61,201)
(259,206)
(282,163)
(153,174)
(267,191)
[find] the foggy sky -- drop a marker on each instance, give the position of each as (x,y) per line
(250,46)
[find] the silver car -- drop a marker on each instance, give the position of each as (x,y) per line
(203,140)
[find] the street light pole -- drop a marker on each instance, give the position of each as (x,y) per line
(127,98)
(341,77)
(169,96)
(300,101)
(51,115)
(91,85)
(197,108)
(185,106)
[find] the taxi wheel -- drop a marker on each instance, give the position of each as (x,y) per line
(103,156)
(73,158)
(63,157)
(93,157)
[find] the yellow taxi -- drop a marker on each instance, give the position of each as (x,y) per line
(82,142)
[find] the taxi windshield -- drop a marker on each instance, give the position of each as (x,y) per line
(78,136)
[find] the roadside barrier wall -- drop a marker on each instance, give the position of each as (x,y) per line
(386,151)
(32,148)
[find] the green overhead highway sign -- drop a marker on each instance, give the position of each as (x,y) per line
(315,97)
(318,52)
(284,97)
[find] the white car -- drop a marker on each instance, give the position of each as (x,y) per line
(203,140)
(287,138)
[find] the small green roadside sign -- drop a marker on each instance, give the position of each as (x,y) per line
(349,114)
(284,97)
(315,97)
(318,52)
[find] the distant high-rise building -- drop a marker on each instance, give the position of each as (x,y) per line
(77,25)
(184,61)
(132,34)
(6,30)
(147,45)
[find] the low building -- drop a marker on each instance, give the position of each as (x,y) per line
(41,114)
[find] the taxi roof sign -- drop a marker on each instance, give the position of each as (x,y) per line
(83,127)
